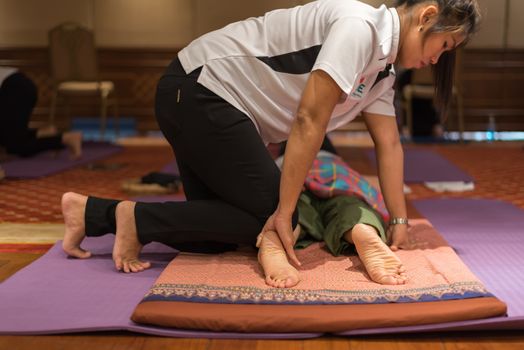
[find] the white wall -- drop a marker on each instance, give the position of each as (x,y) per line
(492,27)
(143,23)
(173,23)
(516,24)
(26,22)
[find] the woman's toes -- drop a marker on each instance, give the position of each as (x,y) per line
(118,264)
(80,253)
(76,252)
(135,267)
(129,266)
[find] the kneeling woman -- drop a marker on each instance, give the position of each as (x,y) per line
(291,74)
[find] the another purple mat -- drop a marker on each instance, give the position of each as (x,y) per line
(427,166)
(171,168)
(60,295)
(488,235)
(46,163)
(57,294)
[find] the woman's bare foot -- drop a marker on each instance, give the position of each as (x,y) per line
(382,265)
(272,256)
(73,210)
(73,141)
(127,246)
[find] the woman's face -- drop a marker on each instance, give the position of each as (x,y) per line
(418,52)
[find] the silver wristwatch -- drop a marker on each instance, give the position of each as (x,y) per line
(398,221)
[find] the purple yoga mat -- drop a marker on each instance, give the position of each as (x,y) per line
(488,235)
(427,166)
(57,294)
(47,163)
(60,295)
(171,168)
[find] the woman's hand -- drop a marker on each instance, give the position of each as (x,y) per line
(398,237)
(281,224)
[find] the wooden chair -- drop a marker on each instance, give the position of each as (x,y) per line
(74,71)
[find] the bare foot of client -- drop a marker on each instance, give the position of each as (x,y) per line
(127,246)
(73,210)
(272,256)
(382,265)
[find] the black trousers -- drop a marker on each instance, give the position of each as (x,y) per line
(229,178)
(18,96)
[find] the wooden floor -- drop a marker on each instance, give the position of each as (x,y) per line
(115,341)
(12,262)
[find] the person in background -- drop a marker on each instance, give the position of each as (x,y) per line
(18,96)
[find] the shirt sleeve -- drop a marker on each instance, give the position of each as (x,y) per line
(346,51)
(383,104)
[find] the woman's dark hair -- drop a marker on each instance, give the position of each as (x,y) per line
(454,16)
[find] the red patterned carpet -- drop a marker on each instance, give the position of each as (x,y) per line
(497,169)
(38,200)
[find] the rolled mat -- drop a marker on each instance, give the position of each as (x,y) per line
(227,292)
(48,163)
(427,166)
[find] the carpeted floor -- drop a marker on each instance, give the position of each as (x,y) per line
(497,169)
(38,200)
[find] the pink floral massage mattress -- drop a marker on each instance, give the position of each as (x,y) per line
(227,292)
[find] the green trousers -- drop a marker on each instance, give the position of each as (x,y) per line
(327,219)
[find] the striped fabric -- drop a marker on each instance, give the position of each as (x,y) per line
(330,176)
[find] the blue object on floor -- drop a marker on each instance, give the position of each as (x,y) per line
(90,128)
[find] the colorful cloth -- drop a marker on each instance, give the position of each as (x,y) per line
(330,176)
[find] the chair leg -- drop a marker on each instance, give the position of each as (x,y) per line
(103,117)
(67,109)
(52,109)
(117,117)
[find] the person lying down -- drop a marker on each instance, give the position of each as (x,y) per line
(337,206)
